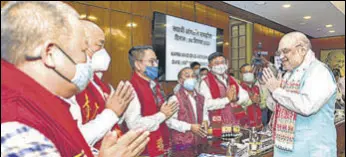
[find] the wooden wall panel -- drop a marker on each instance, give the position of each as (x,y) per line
(327,43)
(173,8)
(187,10)
(102,4)
(268,37)
(201,13)
(141,8)
(141,34)
(80,8)
(124,6)
(211,17)
(121,43)
(159,6)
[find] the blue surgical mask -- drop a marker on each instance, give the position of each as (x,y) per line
(189,84)
(152,72)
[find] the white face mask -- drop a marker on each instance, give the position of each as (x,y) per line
(83,74)
(249,77)
(219,69)
(100,60)
(189,84)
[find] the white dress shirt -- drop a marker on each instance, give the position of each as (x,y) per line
(183,126)
(315,92)
(103,121)
(220,103)
(134,118)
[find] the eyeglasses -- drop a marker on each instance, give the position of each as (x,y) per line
(287,50)
(151,61)
(220,62)
(190,76)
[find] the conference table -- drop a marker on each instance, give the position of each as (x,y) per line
(213,146)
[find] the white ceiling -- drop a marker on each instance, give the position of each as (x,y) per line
(321,12)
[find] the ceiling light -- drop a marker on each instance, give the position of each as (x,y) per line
(331,31)
(307,17)
(131,24)
(328,26)
(286,5)
(318,29)
(260,3)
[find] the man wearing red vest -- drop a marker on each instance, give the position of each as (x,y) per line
(90,107)
(38,67)
(253,111)
(223,95)
(186,123)
(148,109)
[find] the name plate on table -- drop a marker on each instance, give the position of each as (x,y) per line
(264,144)
(242,149)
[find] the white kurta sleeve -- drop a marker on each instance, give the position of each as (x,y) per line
(103,122)
(318,87)
(176,124)
(205,113)
(210,103)
(243,97)
(134,119)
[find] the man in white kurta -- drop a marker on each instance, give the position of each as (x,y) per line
(228,102)
(303,102)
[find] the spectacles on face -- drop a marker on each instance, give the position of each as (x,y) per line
(219,62)
(187,75)
(286,51)
(152,62)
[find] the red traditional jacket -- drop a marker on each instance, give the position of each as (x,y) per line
(253,111)
(186,114)
(229,114)
(150,104)
(92,102)
(24,100)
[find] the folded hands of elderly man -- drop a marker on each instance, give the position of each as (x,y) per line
(270,81)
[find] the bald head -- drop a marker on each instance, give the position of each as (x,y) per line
(25,25)
(95,36)
(293,48)
(45,41)
(294,39)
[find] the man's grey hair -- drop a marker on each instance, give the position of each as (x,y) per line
(137,53)
(296,38)
(27,24)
